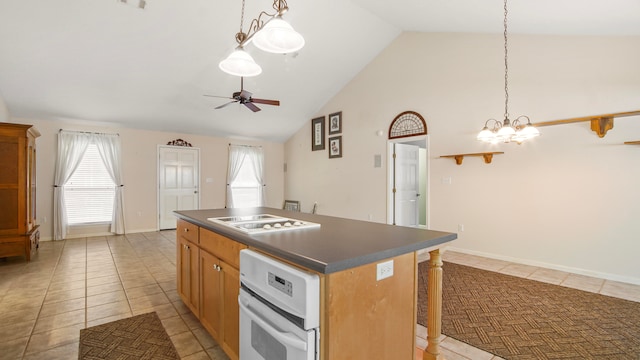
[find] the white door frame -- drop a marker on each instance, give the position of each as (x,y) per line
(158,179)
(423,142)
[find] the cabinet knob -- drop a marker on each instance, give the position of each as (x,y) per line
(186,230)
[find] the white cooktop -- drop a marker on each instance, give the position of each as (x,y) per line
(263,223)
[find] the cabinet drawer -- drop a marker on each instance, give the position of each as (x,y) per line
(226,249)
(12,248)
(187,231)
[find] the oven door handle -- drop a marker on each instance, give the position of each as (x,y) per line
(285,337)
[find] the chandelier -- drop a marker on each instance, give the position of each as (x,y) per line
(271,34)
(506,131)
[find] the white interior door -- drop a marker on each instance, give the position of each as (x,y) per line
(179,182)
(407,184)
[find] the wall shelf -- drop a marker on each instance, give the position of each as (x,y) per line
(488,156)
(600,124)
(632,142)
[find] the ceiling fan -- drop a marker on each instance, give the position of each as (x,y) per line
(245,98)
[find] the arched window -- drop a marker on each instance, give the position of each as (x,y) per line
(408,123)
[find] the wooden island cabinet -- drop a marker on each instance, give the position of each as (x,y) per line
(361,316)
(209,281)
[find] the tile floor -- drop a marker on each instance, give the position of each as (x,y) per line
(74,284)
(456,350)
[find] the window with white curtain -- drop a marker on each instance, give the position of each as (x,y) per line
(89,193)
(245,185)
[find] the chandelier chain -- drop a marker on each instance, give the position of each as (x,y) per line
(242,16)
(506,66)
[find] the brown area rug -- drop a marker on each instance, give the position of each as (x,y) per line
(138,337)
(517,318)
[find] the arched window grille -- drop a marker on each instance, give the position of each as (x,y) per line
(408,123)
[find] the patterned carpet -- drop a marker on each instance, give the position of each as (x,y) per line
(517,318)
(138,337)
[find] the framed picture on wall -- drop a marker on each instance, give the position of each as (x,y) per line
(335,123)
(317,134)
(335,147)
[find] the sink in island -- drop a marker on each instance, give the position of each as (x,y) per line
(361,317)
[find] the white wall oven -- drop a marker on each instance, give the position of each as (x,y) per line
(279,310)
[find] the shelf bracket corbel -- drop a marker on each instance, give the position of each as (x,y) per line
(601,125)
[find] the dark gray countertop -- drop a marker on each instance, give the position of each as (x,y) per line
(338,244)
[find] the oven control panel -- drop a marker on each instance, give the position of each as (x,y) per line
(281,284)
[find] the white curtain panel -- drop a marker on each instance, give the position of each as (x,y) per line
(236,158)
(109,148)
(71,149)
(257,155)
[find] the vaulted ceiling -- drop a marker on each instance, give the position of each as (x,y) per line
(115,64)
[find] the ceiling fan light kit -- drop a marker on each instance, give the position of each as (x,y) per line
(272,34)
(507,131)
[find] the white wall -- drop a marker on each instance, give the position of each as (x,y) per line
(4,111)
(567,200)
(139,157)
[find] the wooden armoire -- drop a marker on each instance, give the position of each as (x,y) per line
(19,234)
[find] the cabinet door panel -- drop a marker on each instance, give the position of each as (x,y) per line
(210,294)
(231,331)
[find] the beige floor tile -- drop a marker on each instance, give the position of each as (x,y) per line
(621,290)
(13,349)
(103,280)
(216,353)
(519,270)
(191,320)
(186,344)
(147,301)
(204,338)
(582,282)
(62,307)
(52,339)
(174,325)
(70,285)
(550,276)
(63,295)
(134,293)
(104,288)
(108,319)
(164,311)
(16,330)
(202,355)
(106,310)
(465,350)
(67,278)
(10,316)
(168,285)
(48,323)
(106,298)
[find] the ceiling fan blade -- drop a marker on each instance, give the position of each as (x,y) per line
(252,107)
(223,105)
(245,94)
(266,102)
(216,96)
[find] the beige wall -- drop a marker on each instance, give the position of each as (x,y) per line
(139,157)
(568,200)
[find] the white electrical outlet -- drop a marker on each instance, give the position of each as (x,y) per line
(384,270)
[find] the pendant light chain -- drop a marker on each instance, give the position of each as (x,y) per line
(506,66)
(242,16)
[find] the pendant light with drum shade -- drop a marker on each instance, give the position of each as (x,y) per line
(507,130)
(273,35)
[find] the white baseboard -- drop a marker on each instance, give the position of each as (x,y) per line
(77,236)
(579,271)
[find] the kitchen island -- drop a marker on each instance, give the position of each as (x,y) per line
(361,316)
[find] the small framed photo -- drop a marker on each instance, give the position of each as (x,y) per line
(317,134)
(335,147)
(335,123)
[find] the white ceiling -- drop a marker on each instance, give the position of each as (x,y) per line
(111,63)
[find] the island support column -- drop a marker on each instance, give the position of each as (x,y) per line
(434,307)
